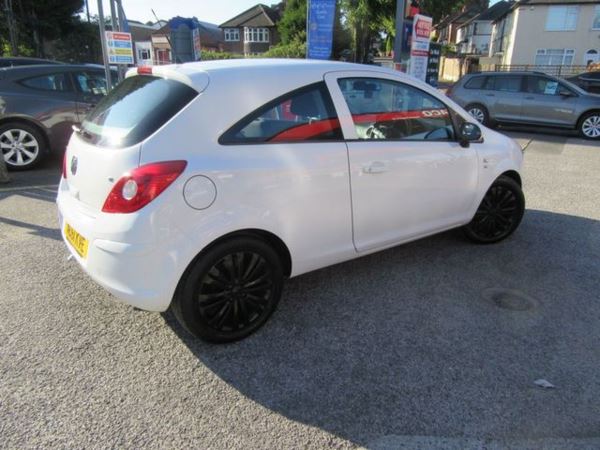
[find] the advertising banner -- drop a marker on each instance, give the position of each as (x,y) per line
(433,65)
(321,14)
(197,46)
(419,50)
(119,48)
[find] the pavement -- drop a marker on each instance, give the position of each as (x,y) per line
(434,344)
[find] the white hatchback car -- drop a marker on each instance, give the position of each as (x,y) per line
(202,186)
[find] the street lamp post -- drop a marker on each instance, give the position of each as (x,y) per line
(103,43)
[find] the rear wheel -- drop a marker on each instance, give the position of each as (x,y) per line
(589,126)
(230,291)
(499,214)
(22,145)
(479,113)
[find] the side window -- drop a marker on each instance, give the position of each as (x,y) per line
(507,83)
(306,114)
(49,82)
(91,83)
(475,83)
(543,86)
(390,110)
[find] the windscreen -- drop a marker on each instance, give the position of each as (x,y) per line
(134,110)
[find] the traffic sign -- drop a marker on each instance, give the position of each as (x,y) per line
(119,47)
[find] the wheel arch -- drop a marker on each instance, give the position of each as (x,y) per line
(266,236)
(585,113)
(30,122)
(513,174)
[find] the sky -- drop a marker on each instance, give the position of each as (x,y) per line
(214,11)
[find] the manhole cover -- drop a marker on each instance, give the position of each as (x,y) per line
(510,299)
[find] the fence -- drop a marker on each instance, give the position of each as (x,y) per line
(558,71)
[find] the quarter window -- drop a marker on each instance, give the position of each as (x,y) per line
(50,82)
(389,110)
(562,18)
(306,114)
(232,34)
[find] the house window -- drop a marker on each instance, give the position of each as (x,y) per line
(232,34)
(596,22)
(256,34)
(562,18)
(144,54)
(554,57)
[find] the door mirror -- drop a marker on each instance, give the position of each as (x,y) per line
(565,93)
(469,132)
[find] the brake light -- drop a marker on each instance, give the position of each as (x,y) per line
(139,187)
(64,166)
(144,70)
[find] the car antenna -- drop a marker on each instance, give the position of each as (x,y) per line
(168,38)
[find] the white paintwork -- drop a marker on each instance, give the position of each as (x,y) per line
(303,193)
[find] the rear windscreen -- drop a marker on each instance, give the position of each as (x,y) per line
(134,110)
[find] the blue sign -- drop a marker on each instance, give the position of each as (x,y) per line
(321,14)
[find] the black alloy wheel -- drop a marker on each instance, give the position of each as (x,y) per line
(499,213)
(230,291)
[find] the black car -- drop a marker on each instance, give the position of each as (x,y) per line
(590,81)
(16,61)
(39,106)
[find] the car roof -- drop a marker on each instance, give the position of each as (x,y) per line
(197,74)
(19,71)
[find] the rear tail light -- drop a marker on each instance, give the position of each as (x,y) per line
(139,187)
(64,166)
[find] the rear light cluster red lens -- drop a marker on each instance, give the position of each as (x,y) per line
(139,187)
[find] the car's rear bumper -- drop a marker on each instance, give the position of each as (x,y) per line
(143,275)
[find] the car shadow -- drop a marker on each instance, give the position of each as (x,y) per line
(37,230)
(408,341)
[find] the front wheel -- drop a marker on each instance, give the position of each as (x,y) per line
(499,213)
(589,126)
(230,291)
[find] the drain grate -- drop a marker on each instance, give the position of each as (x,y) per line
(510,299)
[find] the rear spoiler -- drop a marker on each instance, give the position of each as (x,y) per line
(194,78)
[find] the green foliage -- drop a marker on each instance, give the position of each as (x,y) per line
(293,21)
(295,49)
(81,44)
(209,55)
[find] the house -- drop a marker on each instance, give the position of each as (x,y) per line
(446,29)
(254,31)
(547,33)
(474,36)
(141,35)
(174,42)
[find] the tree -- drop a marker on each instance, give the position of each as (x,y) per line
(292,25)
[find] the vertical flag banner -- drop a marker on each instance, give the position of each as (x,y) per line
(419,49)
(321,14)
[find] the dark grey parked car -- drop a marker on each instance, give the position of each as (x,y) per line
(14,61)
(530,98)
(40,104)
(589,81)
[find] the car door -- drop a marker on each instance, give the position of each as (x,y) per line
(49,96)
(503,93)
(91,88)
(409,176)
(548,101)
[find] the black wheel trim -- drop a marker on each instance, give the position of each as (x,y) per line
(497,214)
(235,292)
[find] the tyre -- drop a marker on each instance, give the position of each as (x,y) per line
(230,290)
(479,113)
(23,146)
(589,126)
(499,213)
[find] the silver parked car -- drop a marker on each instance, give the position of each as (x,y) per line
(40,104)
(529,98)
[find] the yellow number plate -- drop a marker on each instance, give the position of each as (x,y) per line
(79,243)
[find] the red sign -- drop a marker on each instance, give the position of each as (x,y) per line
(121,36)
(423,28)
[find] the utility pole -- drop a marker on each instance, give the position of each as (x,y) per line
(103,43)
(12,32)
(398,41)
(87,10)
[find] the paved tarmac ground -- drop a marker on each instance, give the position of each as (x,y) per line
(416,347)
